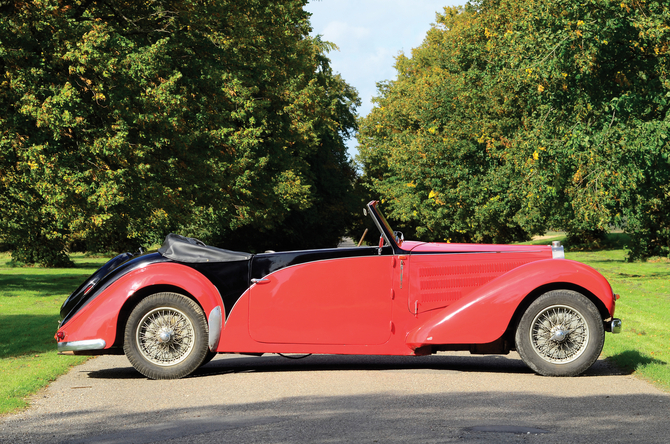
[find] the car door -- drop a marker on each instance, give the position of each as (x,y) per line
(338,301)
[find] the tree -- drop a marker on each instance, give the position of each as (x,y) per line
(328,171)
(516,116)
(127,120)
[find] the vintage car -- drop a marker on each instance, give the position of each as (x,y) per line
(171,311)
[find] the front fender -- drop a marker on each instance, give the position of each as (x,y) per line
(484,315)
(99,318)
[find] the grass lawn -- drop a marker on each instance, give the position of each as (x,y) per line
(30,300)
(643,347)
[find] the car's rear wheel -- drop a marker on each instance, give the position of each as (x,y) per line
(166,336)
(560,334)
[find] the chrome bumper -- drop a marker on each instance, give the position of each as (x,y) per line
(613,326)
(91,344)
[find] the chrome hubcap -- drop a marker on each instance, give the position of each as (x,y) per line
(165,336)
(559,334)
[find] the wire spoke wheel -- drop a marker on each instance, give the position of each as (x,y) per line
(165,336)
(559,334)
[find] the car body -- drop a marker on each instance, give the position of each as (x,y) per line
(171,311)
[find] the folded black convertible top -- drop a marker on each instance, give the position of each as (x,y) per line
(191,250)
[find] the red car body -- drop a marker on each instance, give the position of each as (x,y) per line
(402,298)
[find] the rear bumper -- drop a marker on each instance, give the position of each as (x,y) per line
(91,344)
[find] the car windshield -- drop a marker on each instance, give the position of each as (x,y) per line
(382,224)
(384,221)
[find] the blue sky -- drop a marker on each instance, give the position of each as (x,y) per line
(370,34)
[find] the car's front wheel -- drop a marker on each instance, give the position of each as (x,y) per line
(166,336)
(560,334)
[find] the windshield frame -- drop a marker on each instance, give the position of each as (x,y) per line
(384,227)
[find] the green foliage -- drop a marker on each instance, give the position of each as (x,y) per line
(517,116)
(327,170)
(127,120)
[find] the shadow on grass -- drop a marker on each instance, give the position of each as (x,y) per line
(25,334)
(611,241)
(632,360)
(41,284)
(90,266)
(645,276)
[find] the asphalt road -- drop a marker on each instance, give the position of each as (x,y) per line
(450,397)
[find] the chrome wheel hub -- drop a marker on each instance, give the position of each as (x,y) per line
(165,336)
(559,334)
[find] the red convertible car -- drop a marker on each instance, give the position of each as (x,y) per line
(171,311)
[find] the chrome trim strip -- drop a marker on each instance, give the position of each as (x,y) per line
(90,344)
(453,253)
(215,328)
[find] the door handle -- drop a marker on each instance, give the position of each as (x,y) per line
(256,281)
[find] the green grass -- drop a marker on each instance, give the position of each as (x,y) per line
(30,300)
(643,347)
